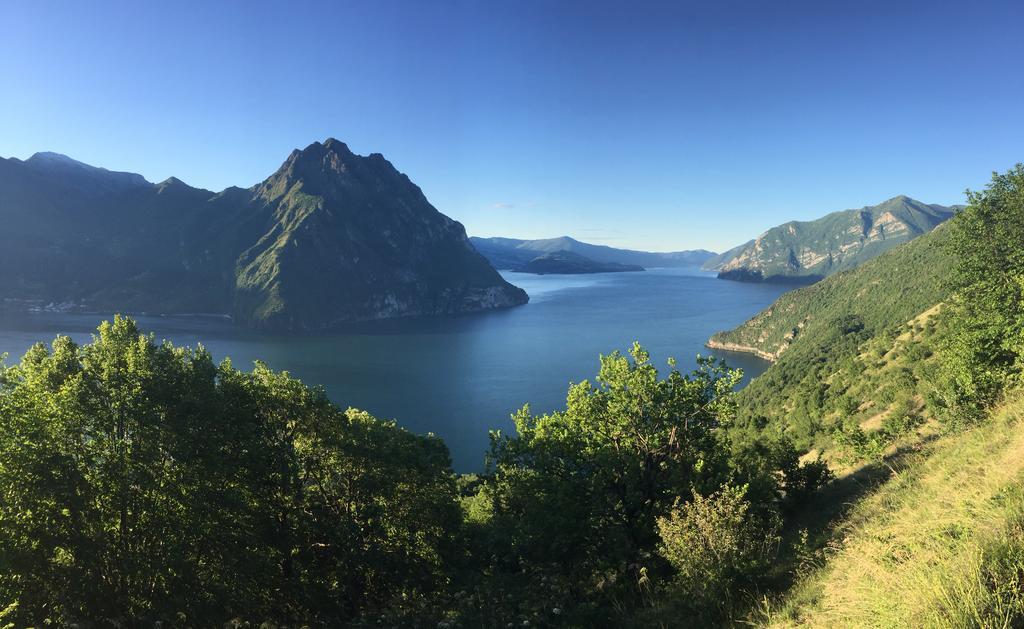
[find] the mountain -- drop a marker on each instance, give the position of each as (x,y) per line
(858,340)
(330,237)
(510,253)
(884,291)
(91,179)
(801,251)
(567,262)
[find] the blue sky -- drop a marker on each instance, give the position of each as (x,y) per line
(660,126)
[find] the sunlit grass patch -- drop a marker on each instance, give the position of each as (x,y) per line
(939,545)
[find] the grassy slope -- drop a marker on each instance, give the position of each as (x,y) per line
(893,287)
(931,535)
(850,323)
(939,545)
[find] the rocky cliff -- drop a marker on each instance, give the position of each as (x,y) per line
(806,251)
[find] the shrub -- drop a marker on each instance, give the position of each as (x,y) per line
(714,544)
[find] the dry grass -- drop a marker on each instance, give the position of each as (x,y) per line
(939,545)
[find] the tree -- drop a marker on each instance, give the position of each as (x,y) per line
(577,492)
(985,350)
(142,483)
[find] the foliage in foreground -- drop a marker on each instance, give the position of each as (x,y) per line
(715,545)
(142,483)
(985,353)
(575,498)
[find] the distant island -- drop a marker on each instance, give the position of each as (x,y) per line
(513,254)
(569,263)
(331,237)
(803,252)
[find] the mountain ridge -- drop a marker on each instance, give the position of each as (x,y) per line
(329,237)
(908,274)
(807,251)
(568,262)
(509,253)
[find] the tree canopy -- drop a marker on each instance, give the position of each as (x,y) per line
(985,353)
(142,483)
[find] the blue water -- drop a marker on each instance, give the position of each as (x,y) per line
(459,377)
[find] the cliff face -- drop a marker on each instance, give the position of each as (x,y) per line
(808,251)
(330,237)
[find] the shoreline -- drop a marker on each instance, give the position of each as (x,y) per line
(742,349)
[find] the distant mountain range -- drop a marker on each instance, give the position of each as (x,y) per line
(333,237)
(569,263)
(330,237)
(805,252)
(514,254)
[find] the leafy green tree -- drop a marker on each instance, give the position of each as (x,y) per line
(102,523)
(142,483)
(574,497)
(615,458)
(985,351)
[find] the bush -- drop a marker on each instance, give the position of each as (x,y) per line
(715,544)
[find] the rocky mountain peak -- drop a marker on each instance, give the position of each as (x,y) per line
(343,180)
(331,237)
(332,154)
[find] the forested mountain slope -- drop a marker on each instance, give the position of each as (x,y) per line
(885,291)
(330,237)
(827,338)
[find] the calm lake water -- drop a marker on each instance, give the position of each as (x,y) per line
(459,377)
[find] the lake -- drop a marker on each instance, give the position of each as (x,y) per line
(459,377)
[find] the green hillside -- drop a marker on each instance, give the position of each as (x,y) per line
(889,289)
(810,250)
(819,338)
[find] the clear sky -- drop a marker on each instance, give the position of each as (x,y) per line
(660,126)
